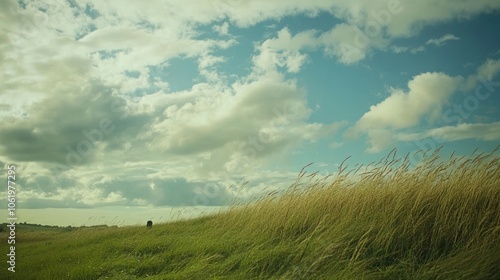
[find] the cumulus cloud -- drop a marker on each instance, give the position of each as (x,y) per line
(284,51)
(349,44)
(345,42)
(425,98)
(426,94)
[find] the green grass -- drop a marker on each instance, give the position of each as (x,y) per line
(440,220)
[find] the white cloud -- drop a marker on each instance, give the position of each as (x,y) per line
(379,20)
(371,26)
(272,110)
(489,69)
(416,15)
(349,44)
(366,25)
(207,67)
(222,29)
(345,42)
(479,131)
(484,73)
(426,95)
(399,49)
(440,41)
(284,51)
(379,139)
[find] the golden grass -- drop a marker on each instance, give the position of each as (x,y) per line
(389,220)
(388,214)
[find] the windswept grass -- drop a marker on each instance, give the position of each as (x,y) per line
(439,220)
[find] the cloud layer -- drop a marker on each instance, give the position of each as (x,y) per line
(92,117)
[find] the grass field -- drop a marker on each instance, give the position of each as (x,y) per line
(439,220)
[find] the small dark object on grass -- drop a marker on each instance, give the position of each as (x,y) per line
(149,224)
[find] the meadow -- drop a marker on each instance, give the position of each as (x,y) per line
(390,220)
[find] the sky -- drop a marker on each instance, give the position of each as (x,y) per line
(127,105)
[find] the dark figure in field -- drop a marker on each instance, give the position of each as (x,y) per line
(149,224)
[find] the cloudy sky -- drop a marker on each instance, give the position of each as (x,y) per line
(179,103)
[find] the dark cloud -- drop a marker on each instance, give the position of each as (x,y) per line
(67,127)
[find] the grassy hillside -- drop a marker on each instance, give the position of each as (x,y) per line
(439,221)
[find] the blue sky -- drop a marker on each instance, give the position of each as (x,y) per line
(174,103)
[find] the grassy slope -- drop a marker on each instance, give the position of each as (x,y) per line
(440,221)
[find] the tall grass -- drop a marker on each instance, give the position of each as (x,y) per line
(437,220)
